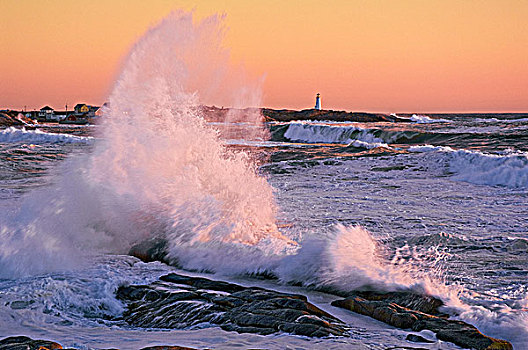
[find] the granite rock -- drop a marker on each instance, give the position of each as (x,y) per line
(386,307)
(178,301)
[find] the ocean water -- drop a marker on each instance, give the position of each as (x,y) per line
(438,205)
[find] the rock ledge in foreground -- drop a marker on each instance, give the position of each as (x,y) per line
(381,306)
(178,301)
(25,343)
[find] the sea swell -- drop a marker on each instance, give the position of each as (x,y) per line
(16,135)
(510,170)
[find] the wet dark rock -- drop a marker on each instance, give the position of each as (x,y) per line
(154,249)
(418,339)
(411,311)
(414,301)
(20,304)
(25,343)
(167,347)
(178,301)
(14,118)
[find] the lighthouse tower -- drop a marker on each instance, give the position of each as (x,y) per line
(318,102)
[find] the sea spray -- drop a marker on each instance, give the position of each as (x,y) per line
(157,168)
(158,151)
(346,259)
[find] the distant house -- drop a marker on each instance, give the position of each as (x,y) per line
(46,114)
(86,110)
(75,119)
(81,108)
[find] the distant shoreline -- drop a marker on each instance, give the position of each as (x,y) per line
(217,114)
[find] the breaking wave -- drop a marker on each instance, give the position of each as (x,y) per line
(322,133)
(15,135)
(156,167)
(496,120)
(509,170)
(423,119)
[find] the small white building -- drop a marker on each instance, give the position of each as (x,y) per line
(318,101)
(46,113)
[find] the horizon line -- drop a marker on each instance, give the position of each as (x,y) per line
(325,109)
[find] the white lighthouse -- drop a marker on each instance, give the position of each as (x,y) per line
(318,101)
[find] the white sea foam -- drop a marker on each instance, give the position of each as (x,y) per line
(499,320)
(368,145)
(346,258)
(423,119)
(250,143)
(509,170)
(157,168)
(496,120)
(15,135)
(322,133)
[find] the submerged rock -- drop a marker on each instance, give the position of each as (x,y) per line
(387,307)
(25,343)
(177,301)
(167,347)
(418,339)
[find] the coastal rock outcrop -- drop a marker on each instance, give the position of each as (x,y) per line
(256,310)
(286,115)
(395,310)
(14,119)
(25,343)
(215,114)
(153,249)
(167,347)
(178,301)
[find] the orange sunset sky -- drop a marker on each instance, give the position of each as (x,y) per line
(383,56)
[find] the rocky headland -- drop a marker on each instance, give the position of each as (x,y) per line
(286,115)
(12,118)
(215,114)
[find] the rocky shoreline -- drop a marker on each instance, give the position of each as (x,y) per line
(256,310)
(179,301)
(8,119)
(215,114)
(26,343)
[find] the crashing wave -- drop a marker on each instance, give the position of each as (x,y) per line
(321,133)
(510,170)
(423,119)
(14,135)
